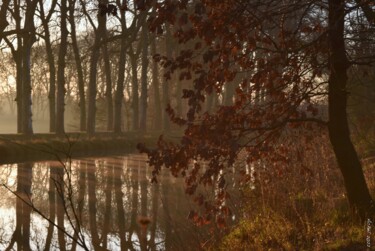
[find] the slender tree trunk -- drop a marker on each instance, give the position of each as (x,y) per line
(92,88)
(339,133)
(60,104)
(119,95)
(51,65)
(78,61)
(166,98)
(108,79)
(19,80)
(144,82)
(28,41)
(155,85)
(3,17)
(17,54)
(135,95)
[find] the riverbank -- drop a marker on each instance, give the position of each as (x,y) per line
(16,148)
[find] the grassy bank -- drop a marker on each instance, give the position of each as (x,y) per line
(15,148)
(301,206)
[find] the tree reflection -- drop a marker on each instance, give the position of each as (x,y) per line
(106,204)
(21,234)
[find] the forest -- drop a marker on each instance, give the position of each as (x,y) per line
(264,111)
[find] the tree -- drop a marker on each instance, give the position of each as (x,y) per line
(51,62)
(79,67)
(92,88)
(60,103)
(28,39)
(155,87)
(119,92)
(277,51)
(3,17)
(144,82)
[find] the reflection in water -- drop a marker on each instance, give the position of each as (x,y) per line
(95,204)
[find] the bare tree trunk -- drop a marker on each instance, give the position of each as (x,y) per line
(119,96)
(155,85)
(60,104)
(3,17)
(19,80)
(28,41)
(92,89)
(78,61)
(166,98)
(135,95)
(51,64)
(108,78)
(144,82)
(357,191)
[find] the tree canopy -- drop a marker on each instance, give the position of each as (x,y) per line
(288,62)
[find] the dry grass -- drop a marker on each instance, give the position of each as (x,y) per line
(301,206)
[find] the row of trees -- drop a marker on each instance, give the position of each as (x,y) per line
(91,54)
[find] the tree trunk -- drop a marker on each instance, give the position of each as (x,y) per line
(144,85)
(119,96)
(3,17)
(60,104)
(51,64)
(28,41)
(92,89)
(108,79)
(19,67)
(135,95)
(155,85)
(346,155)
(166,100)
(78,61)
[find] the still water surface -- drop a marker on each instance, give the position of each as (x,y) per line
(95,204)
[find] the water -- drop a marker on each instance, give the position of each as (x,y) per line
(95,204)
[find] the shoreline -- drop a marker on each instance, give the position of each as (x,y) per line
(16,148)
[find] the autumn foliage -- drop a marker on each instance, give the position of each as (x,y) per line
(276,55)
